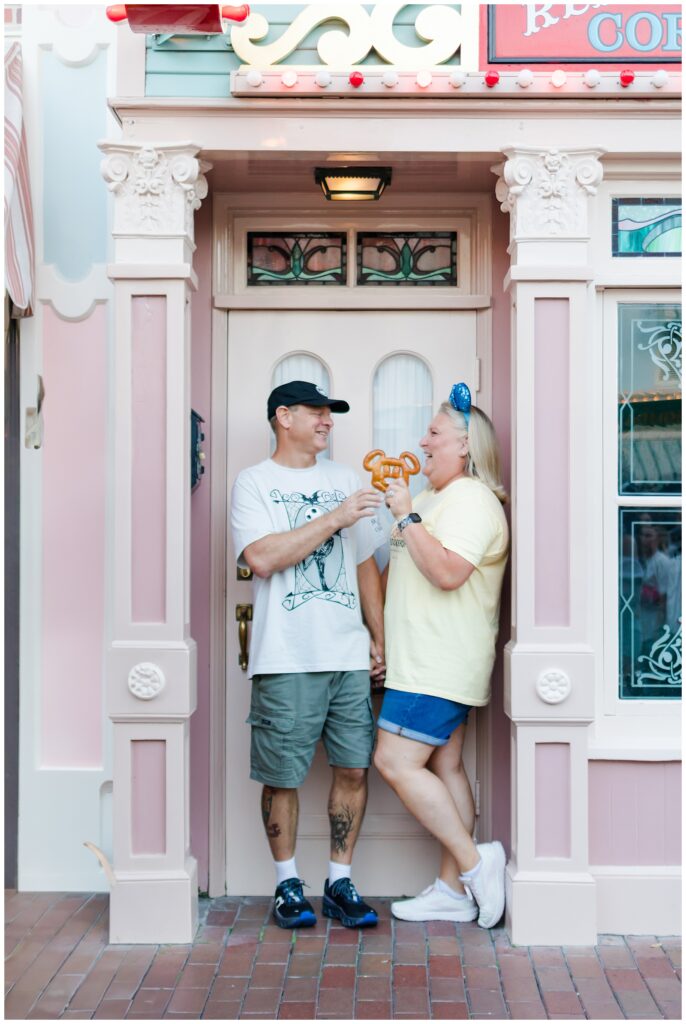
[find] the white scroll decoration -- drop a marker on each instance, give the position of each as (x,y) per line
(437,25)
(157,188)
(547,191)
(553,686)
(146,680)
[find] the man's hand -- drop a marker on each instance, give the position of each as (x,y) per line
(377,667)
(362,503)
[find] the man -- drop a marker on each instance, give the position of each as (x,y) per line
(308,533)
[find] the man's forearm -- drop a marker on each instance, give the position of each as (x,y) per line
(279,551)
(369,582)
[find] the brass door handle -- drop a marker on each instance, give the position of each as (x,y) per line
(243,617)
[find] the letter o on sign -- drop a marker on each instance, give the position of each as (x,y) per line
(655,31)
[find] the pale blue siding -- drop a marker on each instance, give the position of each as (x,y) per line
(75,202)
(200,65)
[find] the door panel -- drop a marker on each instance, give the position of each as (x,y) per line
(394,854)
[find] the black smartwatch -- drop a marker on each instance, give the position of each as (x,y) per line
(406,520)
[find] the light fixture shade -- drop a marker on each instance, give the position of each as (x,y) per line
(357,183)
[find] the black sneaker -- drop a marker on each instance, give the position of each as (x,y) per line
(343,901)
(291,909)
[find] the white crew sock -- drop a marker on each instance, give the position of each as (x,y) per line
(472,873)
(285,869)
(444,887)
(337,871)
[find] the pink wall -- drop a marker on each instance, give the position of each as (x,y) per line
(502,412)
(551,462)
(553,800)
(201,376)
(74,495)
(148,796)
(634,813)
(148,458)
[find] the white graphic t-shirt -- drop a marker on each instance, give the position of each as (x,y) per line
(306,618)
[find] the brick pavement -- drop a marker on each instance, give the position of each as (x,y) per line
(59,965)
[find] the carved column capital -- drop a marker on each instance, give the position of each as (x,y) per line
(157,188)
(546,191)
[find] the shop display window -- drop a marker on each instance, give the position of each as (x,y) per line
(405,258)
(649,472)
(646,227)
(287,258)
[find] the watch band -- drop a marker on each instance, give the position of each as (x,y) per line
(413,517)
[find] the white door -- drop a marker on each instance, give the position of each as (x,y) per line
(394,368)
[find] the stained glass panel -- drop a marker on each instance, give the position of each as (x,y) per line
(649,401)
(305,258)
(650,603)
(646,227)
(407,258)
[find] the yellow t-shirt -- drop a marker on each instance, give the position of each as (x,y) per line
(442,642)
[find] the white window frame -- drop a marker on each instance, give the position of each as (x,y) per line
(643,726)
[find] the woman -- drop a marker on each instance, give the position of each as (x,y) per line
(448,555)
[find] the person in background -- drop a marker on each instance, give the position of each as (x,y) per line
(307,530)
(448,554)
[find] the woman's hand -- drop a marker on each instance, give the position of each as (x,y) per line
(398,498)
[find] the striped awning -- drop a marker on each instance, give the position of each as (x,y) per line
(19,252)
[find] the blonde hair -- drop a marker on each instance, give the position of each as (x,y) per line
(483,458)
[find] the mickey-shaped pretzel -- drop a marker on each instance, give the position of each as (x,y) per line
(384,468)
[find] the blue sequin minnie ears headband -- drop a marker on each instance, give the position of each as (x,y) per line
(461,400)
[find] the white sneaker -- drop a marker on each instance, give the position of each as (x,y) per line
(488,887)
(434,905)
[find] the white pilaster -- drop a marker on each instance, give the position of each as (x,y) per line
(550,662)
(151,666)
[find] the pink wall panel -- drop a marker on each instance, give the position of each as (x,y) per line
(149,456)
(148,796)
(634,812)
(500,723)
(551,462)
(201,376)
(74,495)
(553,807)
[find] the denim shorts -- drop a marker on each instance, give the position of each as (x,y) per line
(420,717)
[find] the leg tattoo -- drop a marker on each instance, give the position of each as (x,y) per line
(342,823)
(273,830)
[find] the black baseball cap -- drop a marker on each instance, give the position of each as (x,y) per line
(302,392)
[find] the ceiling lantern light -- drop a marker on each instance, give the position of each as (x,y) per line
(491,78)
(457,79)
(323,79)
(525,78)
(659,79)
(254,78)
(289,79)
(356,79)
(352,183)
(626,77)
(558,78)
(390,79)
(592,78)
(424,79)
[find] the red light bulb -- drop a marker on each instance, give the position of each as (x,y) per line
(491,78)
(626,77)
(356,79)
(117,12)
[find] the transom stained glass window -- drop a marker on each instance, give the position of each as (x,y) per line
(407,258)
(304,258)
(649,415)
(646,227)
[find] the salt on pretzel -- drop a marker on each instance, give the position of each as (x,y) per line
(384,468)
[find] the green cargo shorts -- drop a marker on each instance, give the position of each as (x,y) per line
(290,712)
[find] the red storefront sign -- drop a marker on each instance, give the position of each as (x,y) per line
(580,34)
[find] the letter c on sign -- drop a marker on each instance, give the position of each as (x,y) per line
(594,27)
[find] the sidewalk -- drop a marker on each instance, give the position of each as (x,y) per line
(241,965)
